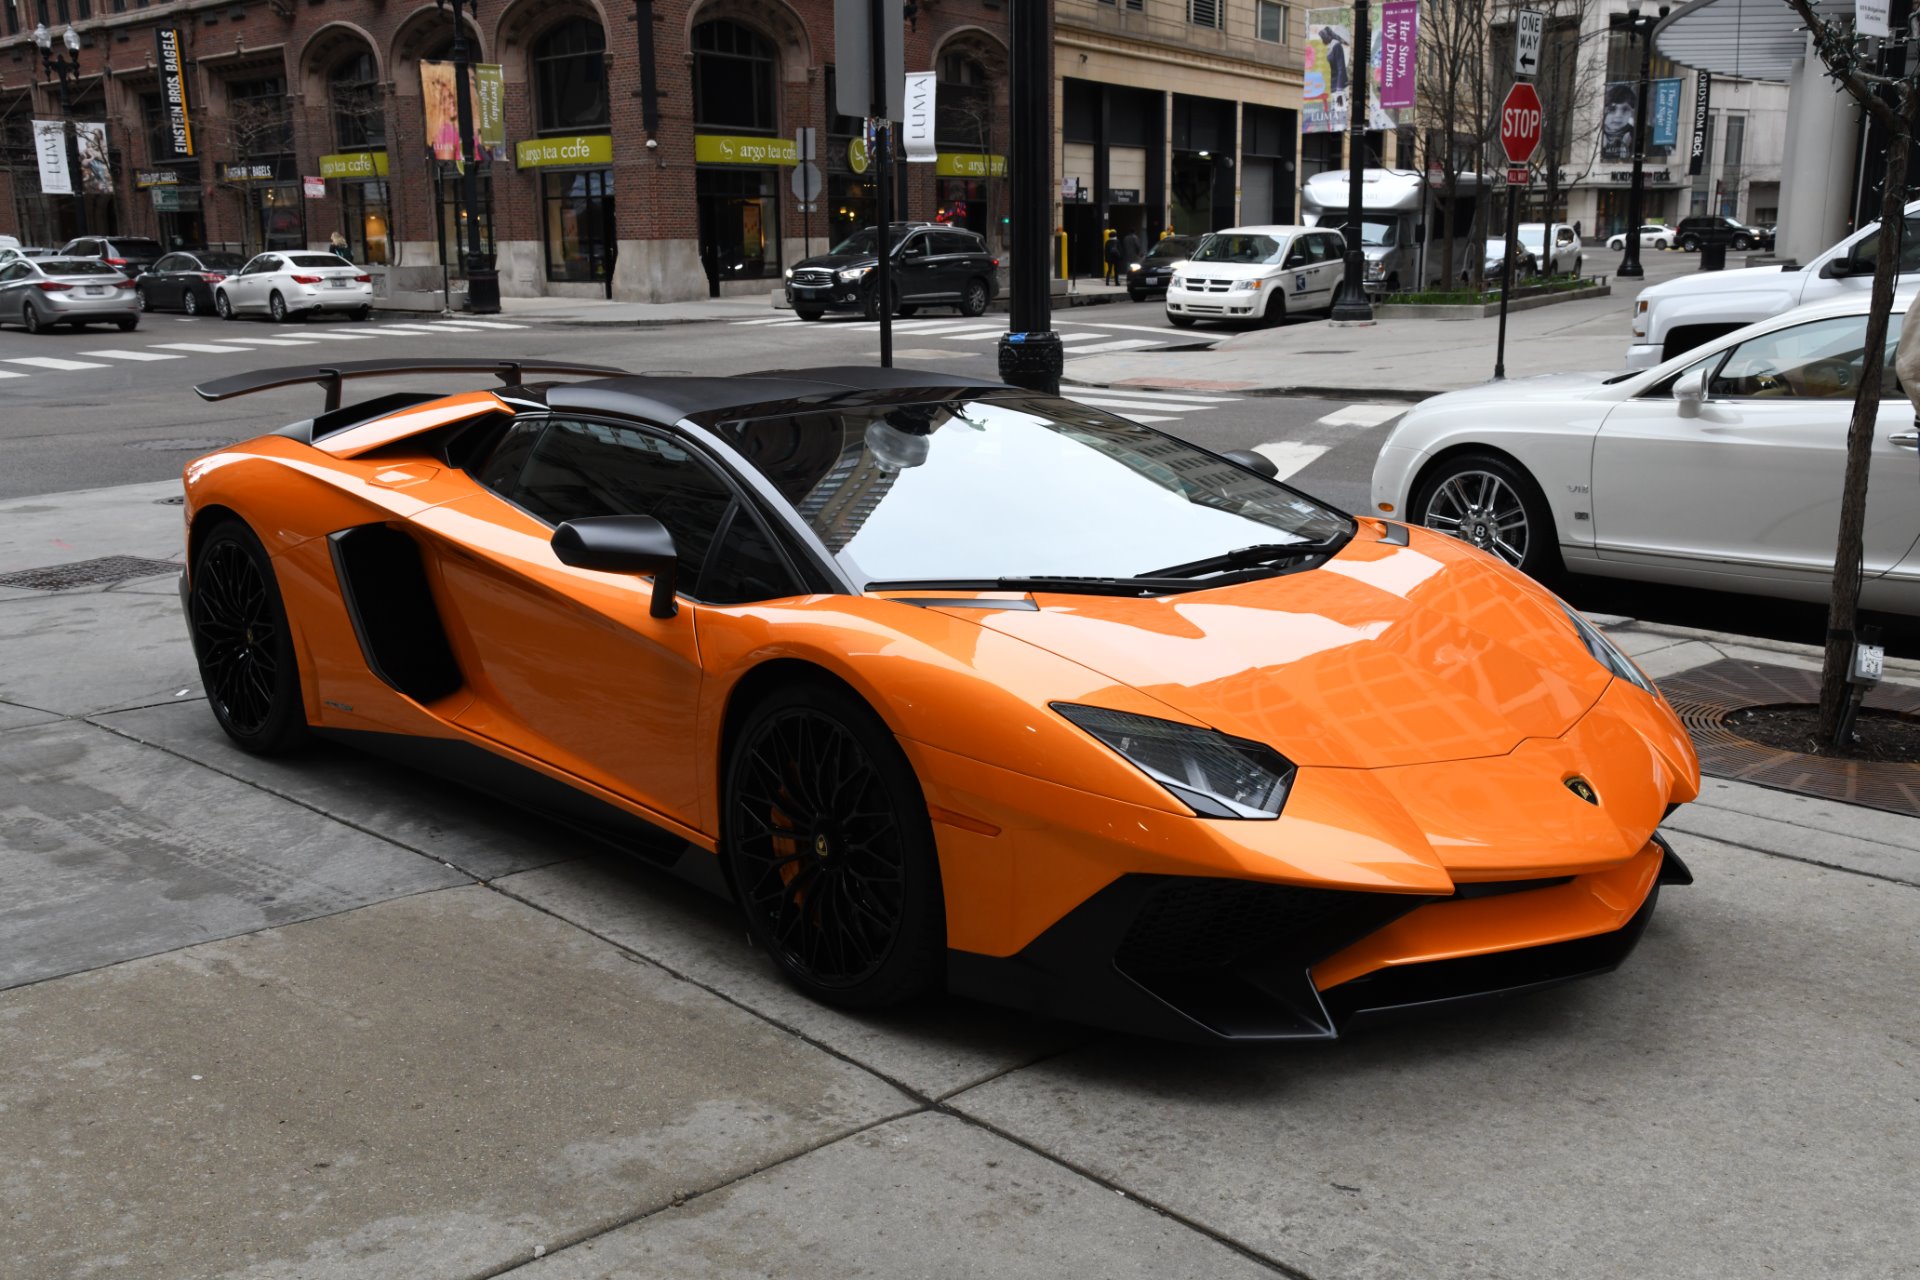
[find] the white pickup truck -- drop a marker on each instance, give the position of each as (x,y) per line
(1678,315)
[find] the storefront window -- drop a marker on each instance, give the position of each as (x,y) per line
(851,205)
(732,78)
(578,224)
(359,116)
(739,224)
(283,215)
(570,78)
(452,218)
(366,216)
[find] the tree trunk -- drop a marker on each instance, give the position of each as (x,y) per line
(1843,609)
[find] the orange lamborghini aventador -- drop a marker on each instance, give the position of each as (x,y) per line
(949,683)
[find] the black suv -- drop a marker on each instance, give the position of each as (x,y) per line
(1151,273)
(132,254)
(1739,236)
(933,265)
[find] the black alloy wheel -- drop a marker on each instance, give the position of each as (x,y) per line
(1741,244)
(828,847)
(277,307)
(974,301)
(243,644)
(190,302)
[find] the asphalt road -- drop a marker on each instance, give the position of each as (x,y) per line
(99,408)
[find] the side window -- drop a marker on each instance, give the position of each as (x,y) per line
(582,468)
(1867,249)
(744,566)
(1818,361)
(915,247)
(1297,253)
(172,262)
(12,271)
(500,469)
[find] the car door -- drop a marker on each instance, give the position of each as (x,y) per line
(918,268)
(1864,252)
(247,291)
(13,278)
(162,281)
(1751,486)
(959,261)
(1326,256)
(568,664)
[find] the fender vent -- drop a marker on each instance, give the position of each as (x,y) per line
(385,588)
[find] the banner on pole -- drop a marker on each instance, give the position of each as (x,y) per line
(1666,114)
(1328,65)
(440,98)
(173,91)
(1399,53)
(918,132)
(96,174)
(50,144)
(1617,119)
(1702,97)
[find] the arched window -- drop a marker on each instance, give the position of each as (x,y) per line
(570,78)
(359,115)
(733,80)
(963,112)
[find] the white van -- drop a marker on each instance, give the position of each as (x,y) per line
(1257,274)
(1401,230)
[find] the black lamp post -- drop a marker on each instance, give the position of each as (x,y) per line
(1353,305)
(483,282)
(1031,354)
(1635,23)
(64,67)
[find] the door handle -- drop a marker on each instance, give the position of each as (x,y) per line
(1905,439)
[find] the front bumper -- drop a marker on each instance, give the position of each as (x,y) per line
(1208,960)
(1241,305)
(833,297)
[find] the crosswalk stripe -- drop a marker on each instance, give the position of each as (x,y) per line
(770,320)
(1123,344)
(206,348)
(458,326)
(1137,402)
(1291,457)
(1363,415)
(931,326)
(972,335)
(1130,416)
(1142,328)
(1080,337)
(272,342)
(8,373)
(123,355)
(405,328)
(483,324)
(344,337)
(53,362)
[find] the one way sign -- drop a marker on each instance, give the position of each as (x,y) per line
(1529,30)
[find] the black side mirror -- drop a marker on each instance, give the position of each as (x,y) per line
(1253,462)
(1836,269)
(623,544)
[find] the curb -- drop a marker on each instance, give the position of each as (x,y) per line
(1398,395)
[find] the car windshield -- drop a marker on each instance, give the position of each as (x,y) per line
(1228,246)
(861,241)
(76,267)
(1170,248)
(1372,230)
(137,248)
(1534,238)
(980,490)
(317,260)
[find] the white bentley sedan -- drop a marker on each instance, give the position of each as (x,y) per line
(1721,468)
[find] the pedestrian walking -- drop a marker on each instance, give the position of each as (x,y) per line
(338,243)
(1115,264)
(1132,248)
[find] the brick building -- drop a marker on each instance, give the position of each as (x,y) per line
(587,204)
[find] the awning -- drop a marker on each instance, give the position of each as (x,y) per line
(1740,39)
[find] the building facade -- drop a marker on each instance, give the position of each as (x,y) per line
(310,119)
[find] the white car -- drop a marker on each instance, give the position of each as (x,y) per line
(1258,274)
(1564,258)
(284,283)
(1677,315)
(1651,237)
(1720,469)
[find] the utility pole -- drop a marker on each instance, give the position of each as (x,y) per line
(1353,305)
(483,282)
(880,125)
(1635,23)
(1030,352)
(64,68)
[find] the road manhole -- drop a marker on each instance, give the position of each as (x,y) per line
(176,446)
(175,501)
(1706,696)
(87,573)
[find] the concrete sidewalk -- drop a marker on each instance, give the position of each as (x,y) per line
(324,1018)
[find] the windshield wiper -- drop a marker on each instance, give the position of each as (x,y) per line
(1263,553)
(1069,584)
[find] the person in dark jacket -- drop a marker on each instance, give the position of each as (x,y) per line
(1116,263)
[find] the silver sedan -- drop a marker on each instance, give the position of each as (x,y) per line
(43,292)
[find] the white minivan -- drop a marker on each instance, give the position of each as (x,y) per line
(1257,275)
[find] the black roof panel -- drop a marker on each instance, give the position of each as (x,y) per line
(669,399)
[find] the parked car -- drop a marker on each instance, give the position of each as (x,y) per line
(1260,274)
(184,280)
(1150,275)
(1691,232)
(932,265)
(9,252)
(131,254)
(1525,266)
(286,283)
(40,293)
(1719,469)
(1564,258)
(1675,316)
(1651,237)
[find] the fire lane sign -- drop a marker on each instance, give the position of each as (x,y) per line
(1520,117)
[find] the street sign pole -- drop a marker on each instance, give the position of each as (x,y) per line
(1506,283)
(1520,120)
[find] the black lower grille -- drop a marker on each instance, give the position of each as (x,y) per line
(1189,926)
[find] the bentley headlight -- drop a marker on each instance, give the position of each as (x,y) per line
(1605,654)
(1214,775)
(853,273)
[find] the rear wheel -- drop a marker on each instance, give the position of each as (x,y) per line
(360,313)
(277,307)
(826,841)
(973,302)
(127,325)
(1690,243)
(190,302)
(1485,500)
(35,322)
(242,642)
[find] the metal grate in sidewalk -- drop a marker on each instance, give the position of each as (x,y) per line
(87,573)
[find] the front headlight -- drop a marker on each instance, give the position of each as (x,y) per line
(789,273)
(1605,654)
(1248,286)
(1214,775)
(1375,270)
(852,273)
(1133,266)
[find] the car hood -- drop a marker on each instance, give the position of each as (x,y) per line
(1543,386)
(1743,280)
(1229,270)
(838,261)
(1384,656)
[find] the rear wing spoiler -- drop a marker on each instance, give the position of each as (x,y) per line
(331,376)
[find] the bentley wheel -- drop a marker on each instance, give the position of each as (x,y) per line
(1487,501)
(242,642)
(827,844)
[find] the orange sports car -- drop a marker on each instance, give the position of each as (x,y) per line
(951,684)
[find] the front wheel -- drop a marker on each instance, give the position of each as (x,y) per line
(809,314)
(243,644)
(222,305)
(140,299)
(1691,244)
(974,301)
(1179,321)
(1741,244)
(1487,501)
(127,325)
(277,307)
(1136,295)
(1275,312)
(825,839)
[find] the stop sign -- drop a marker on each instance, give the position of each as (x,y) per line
(1520,123)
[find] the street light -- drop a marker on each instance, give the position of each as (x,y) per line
(64,68)
(1634,23)
(1353,305)
(483,282)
